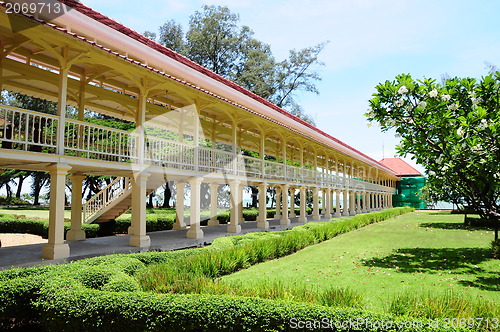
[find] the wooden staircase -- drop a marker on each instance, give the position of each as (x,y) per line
(112,201)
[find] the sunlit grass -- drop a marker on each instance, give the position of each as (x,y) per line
(417,253)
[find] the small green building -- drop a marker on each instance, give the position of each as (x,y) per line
(409,187)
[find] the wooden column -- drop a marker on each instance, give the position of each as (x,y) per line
(76,233)
(278,203)
(303,201)
(179,206)
(234,225)
(139,237)
(284,213)
(345,211)
(316,216)
(292,202)
(213,205)
(337,203)
(262,218)
(195,231)
(56,248)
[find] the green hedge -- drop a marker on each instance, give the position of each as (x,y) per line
(61,310)
(102,293)
(41,227)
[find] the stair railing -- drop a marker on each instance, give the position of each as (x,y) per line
(105,197)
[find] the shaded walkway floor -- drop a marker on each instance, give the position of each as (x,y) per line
(30,255)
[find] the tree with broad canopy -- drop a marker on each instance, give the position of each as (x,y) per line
(453,130)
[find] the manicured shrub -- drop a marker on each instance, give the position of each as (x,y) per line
(41,227)
(87,310)
(121,282)
(16,302)
(103,292)
(154,222)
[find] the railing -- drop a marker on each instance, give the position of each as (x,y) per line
(97,142)
(171,154)
(33,131)
(27,130)
(112,192)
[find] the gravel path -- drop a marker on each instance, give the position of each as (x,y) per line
(9,239)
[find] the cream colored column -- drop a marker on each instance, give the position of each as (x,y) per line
(292,203)
(303,201)
(345,195)
(180,223)
(139,237)
(277,215)
(358,202)
(323,199)
(76,233)
(62,102)
(352,209)
(329,209)
(213,205)
(234,225)
(316,216)
(56,248)
(337,203)
(262,218)
(284,214)
(242,190)
(195,231)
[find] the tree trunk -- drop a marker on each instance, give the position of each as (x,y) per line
(255,195)
(150,201)
(167,195)
(497,221)
(20,186)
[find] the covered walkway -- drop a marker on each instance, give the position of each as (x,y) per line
(193,128)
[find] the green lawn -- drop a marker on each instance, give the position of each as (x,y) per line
(44,214)
(416,253)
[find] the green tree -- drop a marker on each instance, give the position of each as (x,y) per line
(172,36)
(453,130)
(214,38)
(217,41)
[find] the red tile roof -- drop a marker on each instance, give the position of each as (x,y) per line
(401,167)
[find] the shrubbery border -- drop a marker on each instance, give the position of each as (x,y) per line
(78,296)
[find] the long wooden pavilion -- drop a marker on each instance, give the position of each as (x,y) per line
(191,127)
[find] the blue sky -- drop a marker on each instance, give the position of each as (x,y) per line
(370,41)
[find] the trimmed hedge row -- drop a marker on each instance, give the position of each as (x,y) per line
(102,293)
(62,311)
(156,220)
(41,227)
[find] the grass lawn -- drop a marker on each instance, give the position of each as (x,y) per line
(416,253)
(44,214)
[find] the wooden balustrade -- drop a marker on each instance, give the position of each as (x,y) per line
(33,131)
